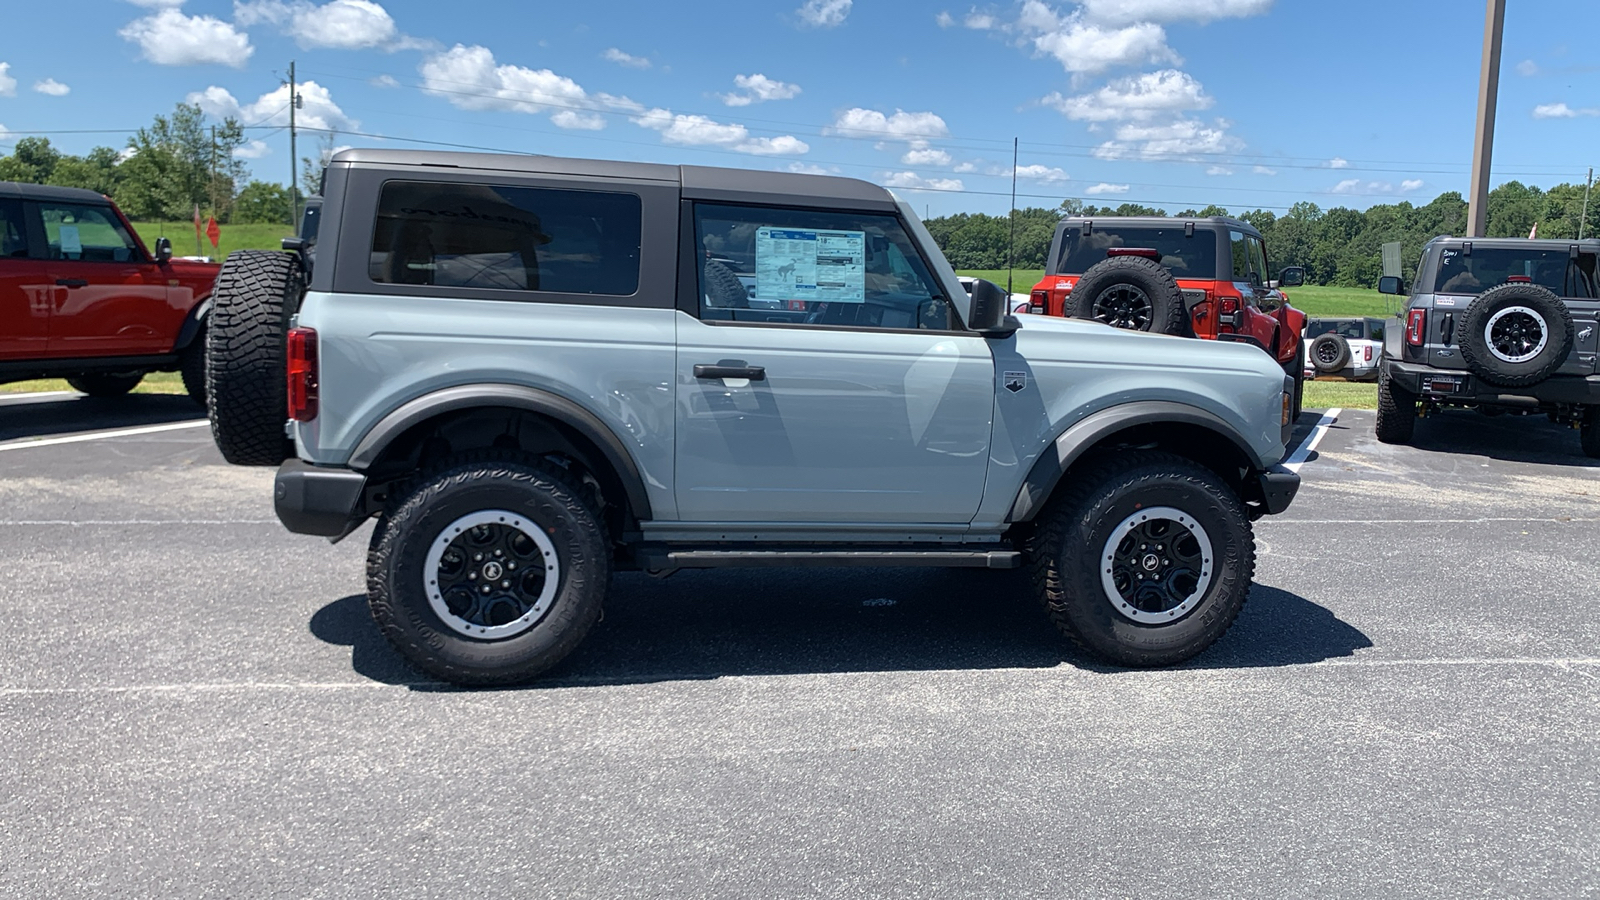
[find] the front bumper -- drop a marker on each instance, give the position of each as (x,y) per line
(1470,389)
(1278,487)
(316,500)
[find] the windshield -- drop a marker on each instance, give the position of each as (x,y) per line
(1186,257)
(1487,267)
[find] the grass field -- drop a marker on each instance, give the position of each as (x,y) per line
(154,383)
(1315,300)
(234,237)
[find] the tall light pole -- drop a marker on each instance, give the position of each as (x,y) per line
(294,160)
(1483,145)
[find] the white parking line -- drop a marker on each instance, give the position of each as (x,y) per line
(102,435)
(1298,457)
(30,396)
(119,523)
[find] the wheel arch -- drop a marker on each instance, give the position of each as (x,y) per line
(1178,428)
(484,416)
(192,323)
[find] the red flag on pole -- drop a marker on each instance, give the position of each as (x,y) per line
(213,231)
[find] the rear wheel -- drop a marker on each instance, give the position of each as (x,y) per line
(247,355)
(106,384)
(1397,411)
(1146,560)
(1299,376)
(192,366)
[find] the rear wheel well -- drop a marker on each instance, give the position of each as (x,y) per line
(430,443)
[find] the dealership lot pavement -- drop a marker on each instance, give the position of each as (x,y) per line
(193,702)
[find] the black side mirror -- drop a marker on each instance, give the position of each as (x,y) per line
(1293,276)
(163,250)
(989,316)
(1390,284)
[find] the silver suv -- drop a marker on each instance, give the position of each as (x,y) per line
(535,371)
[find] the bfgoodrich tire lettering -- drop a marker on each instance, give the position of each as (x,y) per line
(1070,575)
(397,580)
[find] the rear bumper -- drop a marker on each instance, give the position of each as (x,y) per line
(1579,389)
(315,500)
(1278,487)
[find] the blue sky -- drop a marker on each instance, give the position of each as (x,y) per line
(1173,103)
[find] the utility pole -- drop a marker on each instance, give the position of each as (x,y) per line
(1584,219)
(294,159)
(1488,94)
(1011,246)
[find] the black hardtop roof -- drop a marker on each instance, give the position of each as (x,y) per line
(1587,245)
(16,189)
(698,182)
(1157,222)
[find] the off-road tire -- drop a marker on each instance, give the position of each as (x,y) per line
(1131,292)
(1589,432)
(1330,353)
(1397,411)
(473,482)
(192,366)
(724,288)
(1549,314)
(106,384)
(247,355)
(1299,376)
(1074,530)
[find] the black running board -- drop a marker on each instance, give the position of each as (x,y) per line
(666,560)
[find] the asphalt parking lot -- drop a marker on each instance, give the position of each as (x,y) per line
(194,703)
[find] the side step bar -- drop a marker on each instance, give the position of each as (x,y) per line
(663,560)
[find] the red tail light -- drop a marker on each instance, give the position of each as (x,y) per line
(1367,353)
(1038,302)
(1228,312)
(302,374)
(1416,323)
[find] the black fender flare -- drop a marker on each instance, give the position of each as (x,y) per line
(198,314)
(1084,434)
(554,406)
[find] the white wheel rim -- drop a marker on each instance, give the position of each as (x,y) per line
(503,565)
(1495,343)
(1156,580)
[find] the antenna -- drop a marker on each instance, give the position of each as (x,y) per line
(1011,246)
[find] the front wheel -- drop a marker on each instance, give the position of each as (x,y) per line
(1146,561)
(489,571)
(106,384)
(1397,411)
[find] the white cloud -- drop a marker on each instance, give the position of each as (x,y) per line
(341,24)
(915,182)
(625,59)
(170,38)
(8,85)
(1527,68)
(700,131)
(759,88)
(805,168)
(1137,98)
(965,167)
(1338,162)
(470,78)
(383,81)
(123,155)
(317,110)
(1354,186)
(1120,12)
(978,21)
(824,13)
(901,126)
(5,134)
(1184,139)
(1046,174)
(1219,170)
(1105,188)
(1562,111)
(252,150)
(52,87)
(1410,184)
(1263,170)
(1085,48)
(944,20)
(925,156)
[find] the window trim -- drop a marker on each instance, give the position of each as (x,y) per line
(690,290)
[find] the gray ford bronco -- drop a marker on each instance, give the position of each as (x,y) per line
(534,372)
(1500,325)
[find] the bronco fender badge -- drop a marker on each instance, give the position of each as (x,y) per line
(1015,381)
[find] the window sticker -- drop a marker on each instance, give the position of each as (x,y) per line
(799,264)
(70,242)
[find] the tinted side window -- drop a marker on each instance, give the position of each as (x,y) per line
(506,238)
(1187,256)
(13,235)
(809,267)
(87,233)
(1241,257)
(1258,258)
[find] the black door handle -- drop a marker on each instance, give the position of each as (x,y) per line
(72,282)
(754,373)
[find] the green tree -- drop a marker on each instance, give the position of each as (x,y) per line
(32,160)
(262,202)
(96,171)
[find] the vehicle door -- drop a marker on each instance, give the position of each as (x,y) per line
(837,386)
(25,294)
(1250,278)
(110,298)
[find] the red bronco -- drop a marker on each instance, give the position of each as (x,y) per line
(1204,278)
(82,299)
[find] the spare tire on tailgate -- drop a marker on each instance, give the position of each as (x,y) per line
(1131,292)
(1330,353)
(257,292)
(1515,335)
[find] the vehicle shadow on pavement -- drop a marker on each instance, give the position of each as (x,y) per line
(1525,439)
(66,415)
(709,624)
